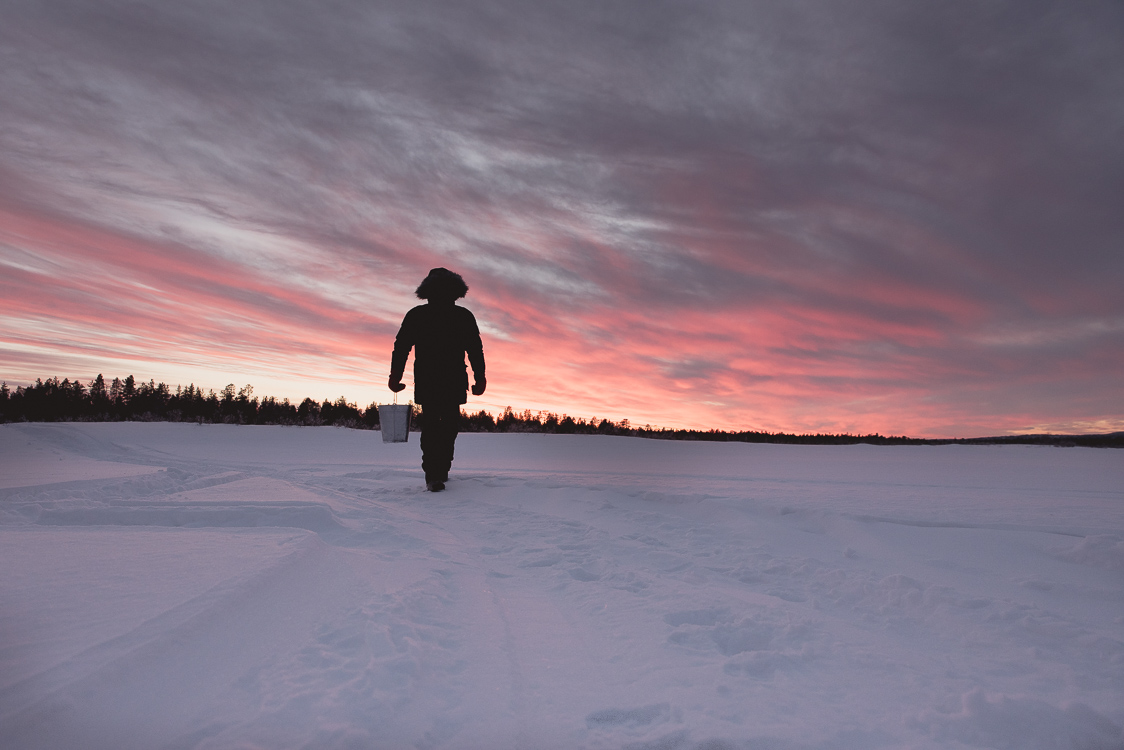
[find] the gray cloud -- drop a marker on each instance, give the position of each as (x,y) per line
(953,166)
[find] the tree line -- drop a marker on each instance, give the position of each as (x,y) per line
(119,400)
(55,400)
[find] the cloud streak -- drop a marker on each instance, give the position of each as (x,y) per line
(798,216)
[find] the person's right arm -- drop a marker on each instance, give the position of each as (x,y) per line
(475,350)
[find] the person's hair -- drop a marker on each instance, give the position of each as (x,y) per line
(442,284)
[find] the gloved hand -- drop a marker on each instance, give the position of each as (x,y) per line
(478,389)
(395,383)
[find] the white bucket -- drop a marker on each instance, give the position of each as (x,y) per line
(394,421)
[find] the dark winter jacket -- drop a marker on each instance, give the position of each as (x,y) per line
(440,333)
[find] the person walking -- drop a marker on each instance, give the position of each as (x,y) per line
(440,332)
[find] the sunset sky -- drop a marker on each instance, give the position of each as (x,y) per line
(801,215)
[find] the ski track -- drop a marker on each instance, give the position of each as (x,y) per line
(284,587)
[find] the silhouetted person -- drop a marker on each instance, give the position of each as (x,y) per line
(440,333)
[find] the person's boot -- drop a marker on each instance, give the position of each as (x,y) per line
(434,484)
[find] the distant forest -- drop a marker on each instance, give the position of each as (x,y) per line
(68,400)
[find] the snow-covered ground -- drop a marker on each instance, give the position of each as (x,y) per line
(183,586)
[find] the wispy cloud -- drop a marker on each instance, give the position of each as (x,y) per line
(800,216)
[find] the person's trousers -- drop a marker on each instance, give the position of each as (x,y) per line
(440,424)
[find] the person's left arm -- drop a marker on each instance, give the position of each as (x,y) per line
(403,343)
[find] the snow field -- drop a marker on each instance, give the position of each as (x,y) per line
(187,586)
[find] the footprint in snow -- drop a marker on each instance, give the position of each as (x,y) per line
(580,574)
(617,717)
(704,617)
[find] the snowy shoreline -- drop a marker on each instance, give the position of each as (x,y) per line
(214,586)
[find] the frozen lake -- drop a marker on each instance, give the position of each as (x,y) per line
(184,586)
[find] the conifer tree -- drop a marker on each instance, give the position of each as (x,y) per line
(98,392)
